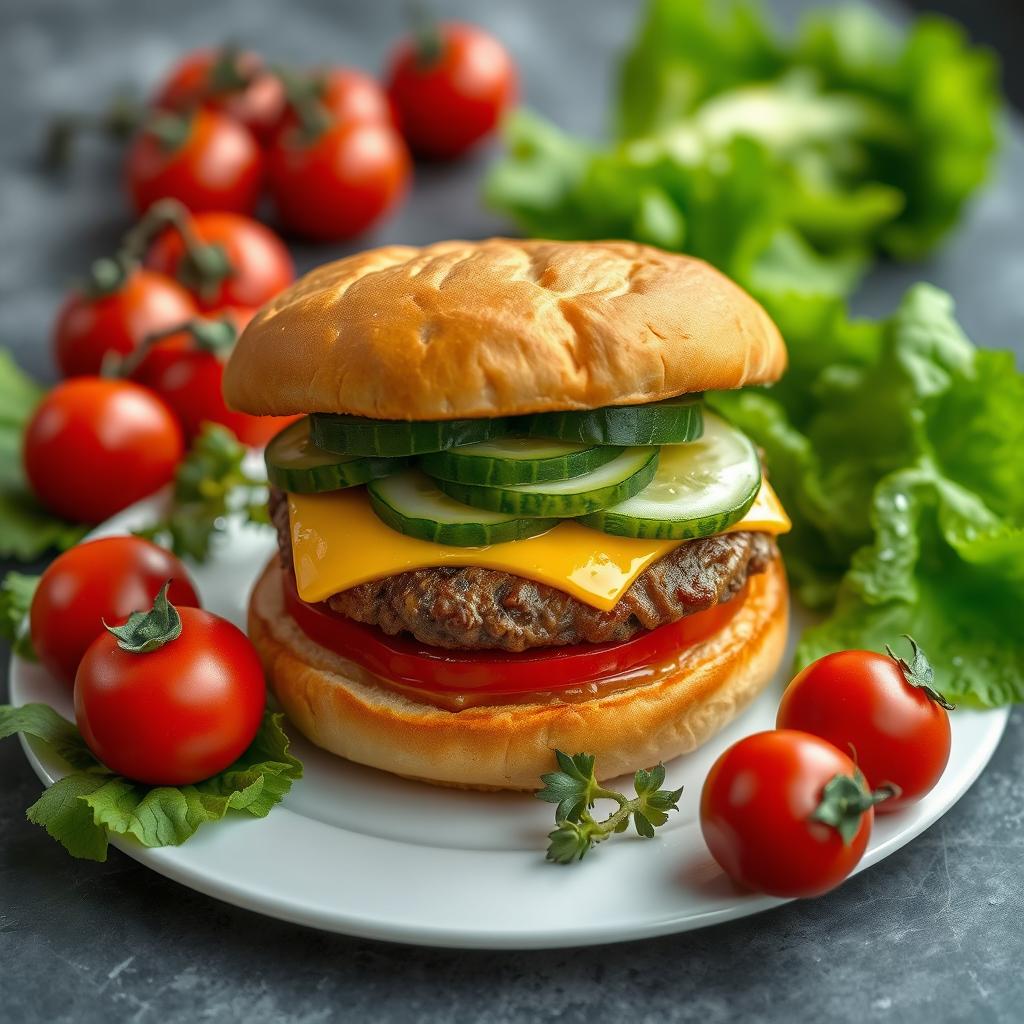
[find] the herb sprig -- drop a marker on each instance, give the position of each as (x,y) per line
(211,484)
(575,789)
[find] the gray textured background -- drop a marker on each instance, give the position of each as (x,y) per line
(932,933)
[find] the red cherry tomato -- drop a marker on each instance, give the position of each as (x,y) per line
(99,581)
(188,379)
(207,161)
(88,327)
(449,100)
(95,446)
(251,264)
(338,184)
(233,82)
(177,714)
(756,814)
(347,96)
(862,703)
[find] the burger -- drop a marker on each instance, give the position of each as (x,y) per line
(507,521)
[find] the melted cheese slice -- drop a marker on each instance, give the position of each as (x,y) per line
(338,542)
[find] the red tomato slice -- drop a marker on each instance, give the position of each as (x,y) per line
(410,663)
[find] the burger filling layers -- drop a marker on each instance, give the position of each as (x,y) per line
(498,561)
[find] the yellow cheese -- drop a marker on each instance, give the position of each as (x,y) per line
(338,542)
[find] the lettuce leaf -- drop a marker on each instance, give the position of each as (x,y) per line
(787,164)
(16,593)
(944,93)
(900,466)
(81,809)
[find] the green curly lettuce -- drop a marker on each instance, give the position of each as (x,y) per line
(82,809)
(895,447)
(787,164)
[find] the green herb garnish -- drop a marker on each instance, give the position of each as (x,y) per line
(575,789)
(210,486)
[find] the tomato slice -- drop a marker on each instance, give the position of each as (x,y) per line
(409,663)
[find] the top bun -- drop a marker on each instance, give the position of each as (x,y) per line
(500,328)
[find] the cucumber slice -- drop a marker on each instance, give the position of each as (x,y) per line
(700,489)
(609,484)
(673,421)
(517,460)
(411,503)
(295,464)
(360,435)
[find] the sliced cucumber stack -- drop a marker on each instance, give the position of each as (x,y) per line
(295,463)
(699,489)
(411,503)
(609,484)
(673,421)
(359,435)
(517,460)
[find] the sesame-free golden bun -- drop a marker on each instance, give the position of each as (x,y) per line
(339,707)
(500,327)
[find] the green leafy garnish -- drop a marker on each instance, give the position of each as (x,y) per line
(211,485)
(895,447)
(785,162)
(27,530)
(16,593)
(575,789)
(83,808)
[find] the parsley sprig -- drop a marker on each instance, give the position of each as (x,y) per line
(575,789)
(211,484)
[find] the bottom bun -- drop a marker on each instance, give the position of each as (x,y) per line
(340,707)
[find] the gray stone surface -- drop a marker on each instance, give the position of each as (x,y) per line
(933,933)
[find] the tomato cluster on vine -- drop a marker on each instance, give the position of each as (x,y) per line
(329,147)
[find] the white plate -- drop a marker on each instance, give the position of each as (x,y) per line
(358,851)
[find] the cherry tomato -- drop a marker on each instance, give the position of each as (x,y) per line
(437,670)
(94,446)
(99,581)
(450,88)
(238,262)
(205,160)
(756,814)
(188,379)
(235,82)
(177,714)
(88,326)
(339,183)
(346,95)
(864,703)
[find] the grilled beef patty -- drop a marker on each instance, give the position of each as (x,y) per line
(485,609)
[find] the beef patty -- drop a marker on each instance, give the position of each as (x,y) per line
(476,609)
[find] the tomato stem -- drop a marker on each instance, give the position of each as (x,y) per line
(214,336)
(844,801)
(226,73)
(204,265)
(428,44)
(303,95)
(118,123)
(149,630)
(108,275)
(919,672)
